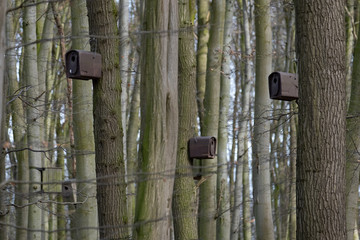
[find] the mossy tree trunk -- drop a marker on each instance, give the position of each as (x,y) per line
(184,196)
(159,120)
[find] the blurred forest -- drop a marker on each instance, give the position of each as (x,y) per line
(108,158)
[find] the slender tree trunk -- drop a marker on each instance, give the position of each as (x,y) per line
(293,147)
(86,216)
(159,122)
(3,208)
(322,108)
(184,197)
(124,62)
(207,201)
(350,32)
(30,73)
(110,164)
(201,57)
(3,7)
(261,164)
(223,221)
(132,146)
(60,209)
(242,168)
(17,114)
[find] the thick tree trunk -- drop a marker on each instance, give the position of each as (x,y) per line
(159,116)
(184,196)
(110,164)
(322,107)
(86,214)
(261,163)
(159,120)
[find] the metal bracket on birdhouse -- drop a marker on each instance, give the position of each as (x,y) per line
(50,179)
(283,86)
(83,65)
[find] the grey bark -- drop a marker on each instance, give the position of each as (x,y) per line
(261,163)
(320,184)
(86,214)
(110,163)
(30,74)
(223,222)
(159,120)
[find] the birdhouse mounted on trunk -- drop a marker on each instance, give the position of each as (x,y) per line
(69,191)
(283,86)
(83,65)
(202,147)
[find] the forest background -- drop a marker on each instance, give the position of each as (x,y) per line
(108,158)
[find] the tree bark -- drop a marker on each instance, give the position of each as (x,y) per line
(159,120)
(261,163)
(86,214)
(201,57)
(223,222)
(184,197)
(207,201)
(322,107)
(30,74)
(3,208)
(110,164)
(124,49)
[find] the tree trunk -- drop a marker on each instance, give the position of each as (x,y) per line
(110,165)
(30,74)
(132,147)
(159,120)
(3,208)
(184,196)
(201,57)
(322,107)
(261,164)
(86,214)
(207,201)
(350,32)
(223,222)
(292,204)
(3,6)
(19,132)
(124,62)
(242,193)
